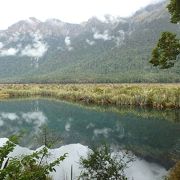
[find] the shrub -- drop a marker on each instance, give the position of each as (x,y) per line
(101,164)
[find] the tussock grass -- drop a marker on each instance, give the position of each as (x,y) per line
(151,95)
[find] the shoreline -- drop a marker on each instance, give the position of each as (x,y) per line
(157,96)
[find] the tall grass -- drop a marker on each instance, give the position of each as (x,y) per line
(152,95)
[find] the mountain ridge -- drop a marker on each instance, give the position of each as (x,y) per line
(113,50)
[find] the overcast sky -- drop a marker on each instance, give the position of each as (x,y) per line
(74,11)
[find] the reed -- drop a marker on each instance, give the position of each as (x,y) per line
(151,95)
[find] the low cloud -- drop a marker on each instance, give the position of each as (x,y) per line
(104,36)
(67,41)
(105,132)
(37,118)
(120,39)
(4,116)
(9,52)
(113,19)
(1,45)
(10,116)
(14,37)
(90,125)
(140,167)
(91,43)
(67,126)
(37,50)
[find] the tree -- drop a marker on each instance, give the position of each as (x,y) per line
(47,137)
(174,10)
(167,50)
(101,164)
(25,167)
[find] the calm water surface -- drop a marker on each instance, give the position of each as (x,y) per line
(151,134)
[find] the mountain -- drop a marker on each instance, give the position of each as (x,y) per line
(112,50)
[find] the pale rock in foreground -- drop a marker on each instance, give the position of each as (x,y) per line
(138,170)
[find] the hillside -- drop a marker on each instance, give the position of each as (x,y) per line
(113,50)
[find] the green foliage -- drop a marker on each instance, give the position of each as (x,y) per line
(101,164)
(174,9)
(165,53)
(167,49)
(25,167)
(7,148)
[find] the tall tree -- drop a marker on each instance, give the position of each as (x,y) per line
(167,50)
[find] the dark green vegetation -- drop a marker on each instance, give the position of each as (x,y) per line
(101,164)
(26,167)
(167,50)
(122,57)
(174,9)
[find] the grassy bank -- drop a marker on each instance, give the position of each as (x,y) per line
(151,95)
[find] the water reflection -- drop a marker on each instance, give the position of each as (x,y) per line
(148,133)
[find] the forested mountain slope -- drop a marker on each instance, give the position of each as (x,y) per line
(113,50)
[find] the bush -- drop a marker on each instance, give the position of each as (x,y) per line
(102,165)
(26,167)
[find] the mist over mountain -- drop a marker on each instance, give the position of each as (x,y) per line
(113,50)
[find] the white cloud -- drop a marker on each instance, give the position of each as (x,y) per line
(19,45)
(67,126)
(90,42)
(120,39)
(9,52)
(69,10)
(1,45)
(138,169)
(105,132)
(37,36)
(90,125)
(104,36)
(14,37)
(37,118)
(38,49)
(10,116)
(67,41)
(113,19)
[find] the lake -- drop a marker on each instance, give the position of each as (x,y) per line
(153,135)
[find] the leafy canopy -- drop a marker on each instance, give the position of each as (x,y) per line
(174,10)
(101,164)
(33,166)
(167,49)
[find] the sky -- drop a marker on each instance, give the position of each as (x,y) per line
(73,11)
